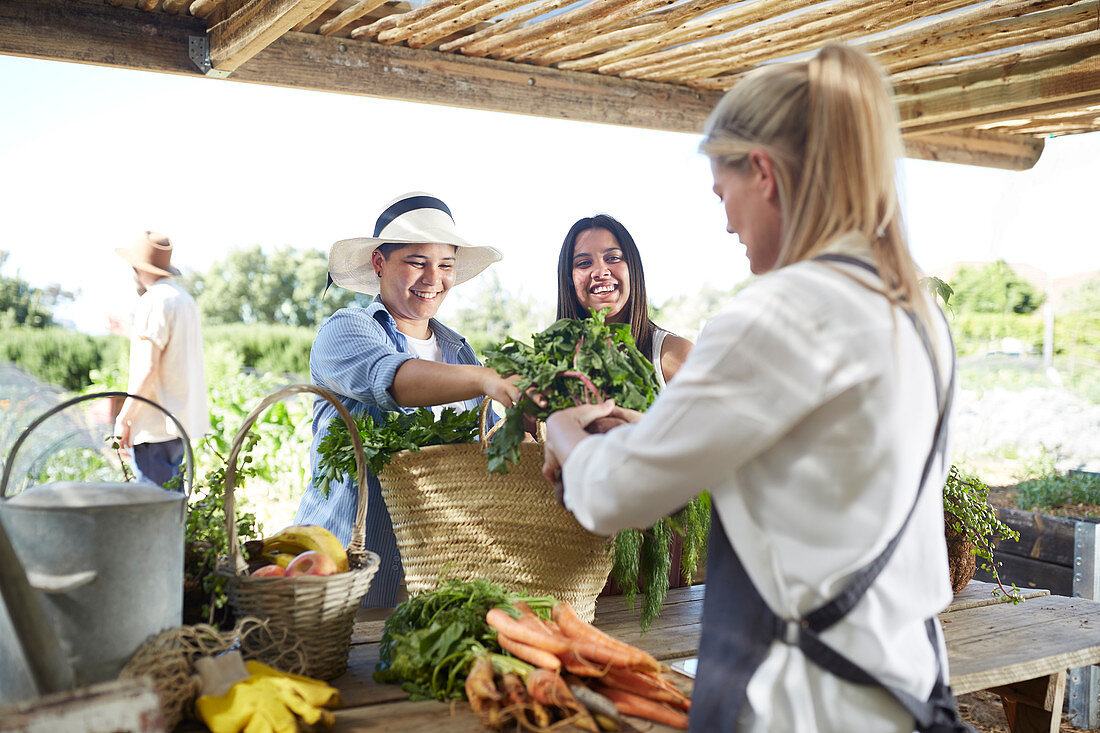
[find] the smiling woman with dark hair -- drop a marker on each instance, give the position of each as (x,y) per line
(599,267)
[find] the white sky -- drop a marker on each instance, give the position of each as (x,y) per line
(91,156)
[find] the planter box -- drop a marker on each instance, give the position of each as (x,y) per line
(1061,554)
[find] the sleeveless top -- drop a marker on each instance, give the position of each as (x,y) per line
(655,357)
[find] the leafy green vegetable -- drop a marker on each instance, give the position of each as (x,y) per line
(398,431)
(430,640)
(572,362)
(966,500)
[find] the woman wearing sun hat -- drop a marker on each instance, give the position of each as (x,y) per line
(393,354)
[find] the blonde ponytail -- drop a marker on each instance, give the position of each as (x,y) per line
(830,128)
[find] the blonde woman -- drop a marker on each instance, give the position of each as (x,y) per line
(815,410)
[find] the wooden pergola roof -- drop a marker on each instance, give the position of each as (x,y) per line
(979,82)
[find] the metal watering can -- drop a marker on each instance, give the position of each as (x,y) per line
(88,571)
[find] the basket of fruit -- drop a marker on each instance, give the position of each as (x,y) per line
(313,585)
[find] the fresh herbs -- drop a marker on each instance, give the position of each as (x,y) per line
(572,362)
(645,555)
(430,640)
(966,499)
(397,431)
(205,536)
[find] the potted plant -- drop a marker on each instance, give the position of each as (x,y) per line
(972,530)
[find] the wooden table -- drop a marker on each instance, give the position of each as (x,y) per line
(1021,652)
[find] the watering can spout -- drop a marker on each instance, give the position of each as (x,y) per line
(50,669)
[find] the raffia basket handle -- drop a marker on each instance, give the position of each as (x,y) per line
(485,433)
(357,547)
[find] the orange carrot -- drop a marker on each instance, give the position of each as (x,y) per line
(479,684)
(513,688)
(538,657)
(630,704)
(581,667)
(646,685)
(596,646)
(549,688)
(533,636)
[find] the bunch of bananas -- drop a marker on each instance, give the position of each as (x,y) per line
(281,549)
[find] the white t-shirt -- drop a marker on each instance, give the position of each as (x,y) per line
(807,408)
(168,317)
(429,349)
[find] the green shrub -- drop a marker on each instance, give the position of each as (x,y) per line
(60,356)
(1054,490)
(270,349)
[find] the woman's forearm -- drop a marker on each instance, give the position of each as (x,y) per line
(422,383)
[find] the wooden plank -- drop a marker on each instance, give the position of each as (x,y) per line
(1028,573)
(1034,705)
(370,69)
(87,33)
(253,27)
(1042,536)
(978,593)
(1002,643)
(967,147)
(1023,111)
(117,705)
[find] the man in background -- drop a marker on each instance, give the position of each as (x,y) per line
(165,364)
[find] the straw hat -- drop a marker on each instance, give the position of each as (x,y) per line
(152,252)
(414,218)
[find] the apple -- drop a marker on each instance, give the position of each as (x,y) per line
(269,571)
(311,563)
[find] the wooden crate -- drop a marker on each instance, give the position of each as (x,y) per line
(118,706)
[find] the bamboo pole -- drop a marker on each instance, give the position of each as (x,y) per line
(400,19)
(350,15)
(966,66)
(532,50)
(453,10)
(321,9)
(500,26)
(203,8)
(466,20)
(844,20)
(934,63)
(696,29)
(934,31)
(501,47)
(995,36)
(633,30)
(173,7)
(479,44)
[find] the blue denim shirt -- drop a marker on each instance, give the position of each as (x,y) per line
(356,354)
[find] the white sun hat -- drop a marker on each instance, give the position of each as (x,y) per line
(414,218)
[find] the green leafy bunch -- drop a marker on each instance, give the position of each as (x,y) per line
(573,362)
(966,500)
(645,555)
(397,431)
(205,536)
(430,640)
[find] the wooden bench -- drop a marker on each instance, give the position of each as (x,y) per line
(1021,652)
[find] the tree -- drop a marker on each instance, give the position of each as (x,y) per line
(994,288)
(491,314)
(22,304)
(1085,298)
(685,315)
(284,287)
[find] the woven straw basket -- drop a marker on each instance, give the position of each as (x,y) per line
(452,516)
(318,610)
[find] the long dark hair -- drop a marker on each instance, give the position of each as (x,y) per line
(637,314)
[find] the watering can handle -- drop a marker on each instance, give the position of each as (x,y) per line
(190,473)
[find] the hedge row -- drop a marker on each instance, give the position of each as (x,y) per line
(68,358)
(978,333)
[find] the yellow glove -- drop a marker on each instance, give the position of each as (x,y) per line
(268,701)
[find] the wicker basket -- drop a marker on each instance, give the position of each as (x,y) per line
(452,516)
(318,610)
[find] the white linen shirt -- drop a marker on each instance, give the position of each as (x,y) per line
(807,408)
(168,317)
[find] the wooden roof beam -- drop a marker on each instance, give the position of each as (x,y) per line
(254,26)
(968,147)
